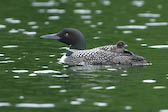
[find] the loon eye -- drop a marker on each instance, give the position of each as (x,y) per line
(66,34)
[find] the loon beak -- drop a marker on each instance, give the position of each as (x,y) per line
(51,36)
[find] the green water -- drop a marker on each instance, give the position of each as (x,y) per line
(100,88)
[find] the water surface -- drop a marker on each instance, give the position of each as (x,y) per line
(33,80)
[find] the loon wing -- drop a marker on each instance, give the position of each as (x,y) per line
(95,56)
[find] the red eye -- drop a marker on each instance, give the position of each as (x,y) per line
(66,34)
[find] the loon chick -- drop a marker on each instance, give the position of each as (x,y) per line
(78,55)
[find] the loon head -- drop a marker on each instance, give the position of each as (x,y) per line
(69,36)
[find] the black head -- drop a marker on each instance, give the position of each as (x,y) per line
(69,36)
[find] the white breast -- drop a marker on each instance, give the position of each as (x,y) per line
(62,60)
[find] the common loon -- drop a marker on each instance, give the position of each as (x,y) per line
(78,55)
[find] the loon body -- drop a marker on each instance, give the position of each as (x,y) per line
(78,55)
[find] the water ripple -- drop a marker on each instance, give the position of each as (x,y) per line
(132,27)
(30,33)
(82,11)
(138,3)
(10,46)
(35,105)
(53,17)
(50,3)
(32,23)
(100,104)
(159,87)
(149,81)
(2,26)
(20,71)
(149,15)
(164,110)
(97,87)
(46,71)
(13,31)
(54,86)
(110,87)
(159,46)
(57,11)
(4,104)
(13,21)
(157,24)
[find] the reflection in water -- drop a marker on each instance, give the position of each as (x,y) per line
(30,33)
(132,20)
(54,86)
(127,32)
(110,87)
(106,2)
(159,46)
(46,22)
(20,71)
(132,27)
(139,39)
(86,17)
(32,23)
(2,26)
(32,75)
(21,97)
(13,31)
(100,104)
(96,37)
(96,88)
(164,110)
(60,76)
(45,71)
(138,3)
(1,54)
(53,17)
(9,61)
(144,45)
(99,68)
(75,102)
(149,81)
(62,91)
(98,11)
(4,104)
(157,24)
(16,77)
(41,10)
(159,87)
(35,105)
(128,107)
(13,21)
(82,11)
(124,75)
(57,11)
(152,20)
(93,26)
(34,27)
(50,3)
(87,22)
(10,46)
(149,15)
(78,101)
(79,4)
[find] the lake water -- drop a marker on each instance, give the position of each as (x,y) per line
(32,80)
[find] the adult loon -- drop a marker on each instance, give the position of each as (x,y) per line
(78,55)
